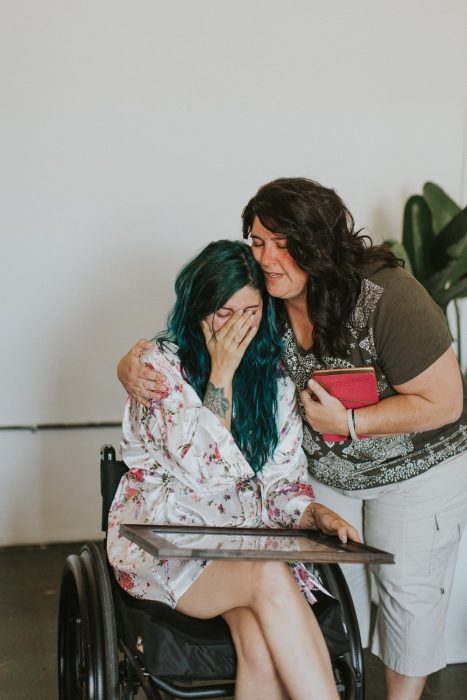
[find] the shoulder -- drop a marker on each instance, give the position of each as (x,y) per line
(402,292)
(389,286)
(162,357)
(389,276)
(391,300)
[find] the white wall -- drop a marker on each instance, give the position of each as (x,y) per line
(133,133)
(51,485)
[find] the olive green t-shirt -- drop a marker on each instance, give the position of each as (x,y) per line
(399,330)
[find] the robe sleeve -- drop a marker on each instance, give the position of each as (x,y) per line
(179,437)
(285,482)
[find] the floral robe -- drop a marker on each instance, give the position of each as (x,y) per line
(186,469)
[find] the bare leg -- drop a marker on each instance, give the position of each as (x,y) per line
(400,687)
(286,621)
(256,673)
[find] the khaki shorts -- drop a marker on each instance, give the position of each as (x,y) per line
(421,521)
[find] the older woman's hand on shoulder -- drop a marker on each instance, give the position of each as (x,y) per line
(140,382)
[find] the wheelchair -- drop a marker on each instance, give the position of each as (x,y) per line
(112,646)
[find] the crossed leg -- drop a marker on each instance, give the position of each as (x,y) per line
(263,598)
(256,672)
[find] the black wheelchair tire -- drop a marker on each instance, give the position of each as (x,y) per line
(95,564)
(87,643)
(79,677)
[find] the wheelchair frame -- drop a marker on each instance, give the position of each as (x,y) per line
(95,661)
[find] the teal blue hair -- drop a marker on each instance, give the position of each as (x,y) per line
(203,286)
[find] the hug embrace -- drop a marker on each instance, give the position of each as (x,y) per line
(230,379)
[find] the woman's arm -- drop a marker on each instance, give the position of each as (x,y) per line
(284,479)
(226,348)
(140,382)
(432,399)
(285,483)
(145,384)
(179,437)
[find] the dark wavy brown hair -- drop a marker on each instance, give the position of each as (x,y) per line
(321,238)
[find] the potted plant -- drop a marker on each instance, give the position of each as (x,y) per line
(434,248)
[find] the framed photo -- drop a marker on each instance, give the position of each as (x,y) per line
(191,542)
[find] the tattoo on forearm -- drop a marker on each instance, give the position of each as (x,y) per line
(215,400)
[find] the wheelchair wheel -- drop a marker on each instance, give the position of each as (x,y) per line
(350,666)
(87,641)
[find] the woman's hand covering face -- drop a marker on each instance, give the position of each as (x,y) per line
(227,335)
(227,345)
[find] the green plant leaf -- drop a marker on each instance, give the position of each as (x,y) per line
(450,242)
(457,291)
(417,235)
(400,252)
(442,207)
(436,283)
(457,269)
(445,279)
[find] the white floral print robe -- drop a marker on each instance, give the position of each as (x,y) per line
(186,469)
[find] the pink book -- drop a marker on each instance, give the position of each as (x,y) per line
(355,387)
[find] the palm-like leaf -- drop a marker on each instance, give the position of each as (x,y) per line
(444,296)
(450,275)
(442,207)
(434,247)
(450,242)
(417,236)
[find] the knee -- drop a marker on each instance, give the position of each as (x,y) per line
(250,645)
(274,582)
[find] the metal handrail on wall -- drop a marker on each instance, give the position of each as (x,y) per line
(34,428)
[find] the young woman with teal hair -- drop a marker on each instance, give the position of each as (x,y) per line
(203,288)
(222,446)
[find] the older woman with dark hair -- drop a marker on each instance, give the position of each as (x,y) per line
(223,447)
(344,303)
